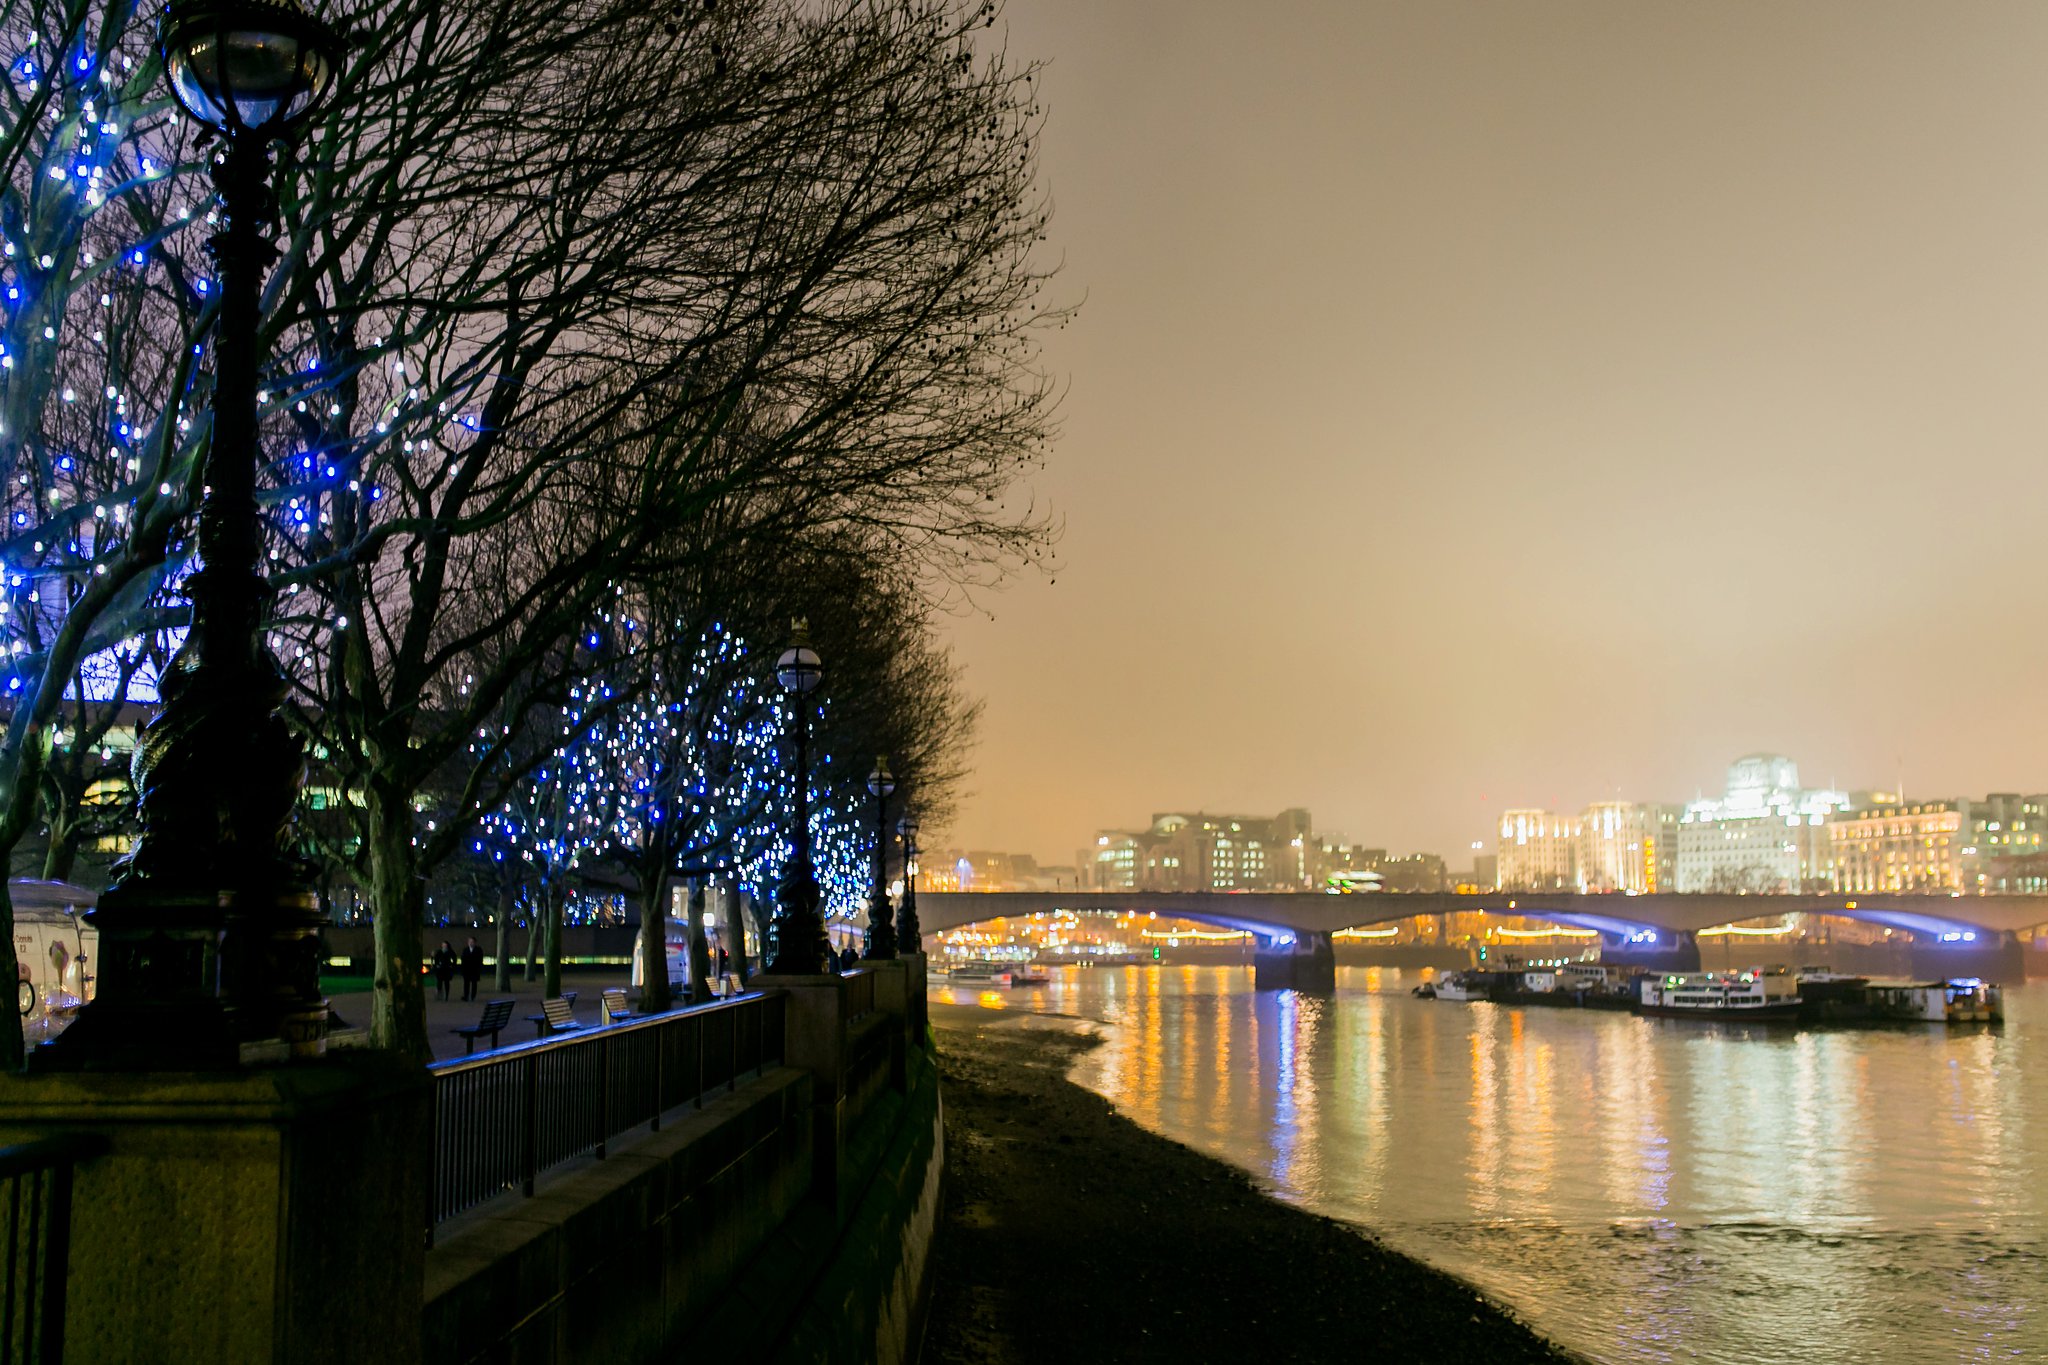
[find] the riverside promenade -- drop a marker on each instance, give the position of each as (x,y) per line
(1070,1233)
(445,1016)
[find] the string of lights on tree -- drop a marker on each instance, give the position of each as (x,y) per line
(92,359)
(105,304)
(103,377)
(698,747)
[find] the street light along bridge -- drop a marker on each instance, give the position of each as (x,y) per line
(1951,935)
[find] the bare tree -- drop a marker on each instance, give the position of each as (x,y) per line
(540,346)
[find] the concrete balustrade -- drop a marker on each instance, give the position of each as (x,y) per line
(275,1213)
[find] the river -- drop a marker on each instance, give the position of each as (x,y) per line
(1638,1189)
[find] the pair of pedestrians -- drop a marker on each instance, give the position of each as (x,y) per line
(446,963)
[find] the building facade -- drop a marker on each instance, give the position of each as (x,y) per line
(1197,851)
(1969,846)
(1765,833)
(1613,844)
(1915,846)
(1538,851)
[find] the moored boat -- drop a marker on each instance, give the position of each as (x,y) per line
(981,971)
(1961,1000)
(1721,995)
(1463,986)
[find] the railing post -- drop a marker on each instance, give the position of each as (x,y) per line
(433,1161)
(698,1101)
(660,1036)
(14,1183)
(57,1266)
(732,1074)
(531,1157)
(604,1092)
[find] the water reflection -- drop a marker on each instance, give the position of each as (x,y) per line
(1643,1190)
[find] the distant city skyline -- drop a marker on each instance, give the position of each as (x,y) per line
(1482,407)
(1459,854)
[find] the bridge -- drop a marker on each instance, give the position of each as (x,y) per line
(1950,935)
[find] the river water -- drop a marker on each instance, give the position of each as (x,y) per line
(1637,1189)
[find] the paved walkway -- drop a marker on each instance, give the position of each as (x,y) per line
(445,1016)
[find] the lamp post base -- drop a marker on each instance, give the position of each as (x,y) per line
(801,948)
(183,981)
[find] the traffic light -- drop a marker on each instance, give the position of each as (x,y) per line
(1482,952)
(1155,954)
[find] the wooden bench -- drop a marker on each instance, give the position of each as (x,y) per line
(611,1005)
(497,1014)
(557,1015)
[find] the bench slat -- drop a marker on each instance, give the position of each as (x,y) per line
(557,1016)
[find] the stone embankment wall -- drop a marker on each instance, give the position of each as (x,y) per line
(730,1231)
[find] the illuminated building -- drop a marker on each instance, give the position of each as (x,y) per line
(1412,872)
(1907,847)
(1611,853)
(1538,851)
(2005,852)
(1766,833)
(1196,851)
(1982,846)
(955,869)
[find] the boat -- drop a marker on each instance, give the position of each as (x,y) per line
(1754,994)
(1463,986)
(1030,974)
(1960,1000)
(980,970)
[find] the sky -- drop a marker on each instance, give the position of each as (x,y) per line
(1487,405)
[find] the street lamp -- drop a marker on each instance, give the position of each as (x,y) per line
(800,945)
(881,928)
(907,931)
(209,937)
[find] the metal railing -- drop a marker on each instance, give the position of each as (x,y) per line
(35,1188)
(503,1119)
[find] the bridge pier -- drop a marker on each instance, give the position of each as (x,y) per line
(1307,963)
(1994,957)
(1672,950)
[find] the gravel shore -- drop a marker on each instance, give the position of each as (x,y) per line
(1070,1234)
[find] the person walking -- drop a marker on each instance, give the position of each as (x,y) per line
(472,967)
(444,969)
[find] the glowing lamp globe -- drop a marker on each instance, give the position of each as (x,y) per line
(247,66)
(798,670)
(881,782)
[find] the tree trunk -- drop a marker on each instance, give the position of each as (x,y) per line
(700,951)
(11,1050)
(654,991)
(398,1010)
(14,817)
(501,965)
(531,968)
(736,911)
(61,853)
(551,906)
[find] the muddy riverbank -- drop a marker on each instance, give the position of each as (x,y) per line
(1071,1234)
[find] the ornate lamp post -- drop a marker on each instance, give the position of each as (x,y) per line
(909,937)
(881,920)
(209,935)
(800,945)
